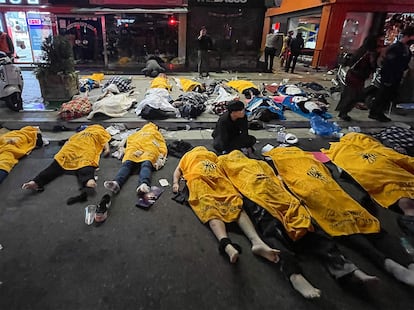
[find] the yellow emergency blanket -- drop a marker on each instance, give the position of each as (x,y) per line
(161,82)
(241,85)
(257,181)
(212,196)
(384,173)
(188,85)
(97,76)
(330,206)
(83,148)
(145,144)
(15,144)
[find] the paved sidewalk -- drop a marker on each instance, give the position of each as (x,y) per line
(36,113)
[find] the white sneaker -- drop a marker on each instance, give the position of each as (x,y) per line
(143,188)
(112,186)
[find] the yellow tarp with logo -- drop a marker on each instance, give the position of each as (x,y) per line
(145,144)
(330,206)
(384,173)
(83,148)
(257,181)
(241,85)
(15,144)
(212,195)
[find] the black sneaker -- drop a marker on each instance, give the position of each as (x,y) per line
(379,117)
(345,117)
(102,210)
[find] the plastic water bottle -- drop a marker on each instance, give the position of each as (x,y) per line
(281,135)
(405,242)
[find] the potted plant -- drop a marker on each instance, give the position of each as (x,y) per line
(56,74)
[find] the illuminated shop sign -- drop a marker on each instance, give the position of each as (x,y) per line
(245,3)
(20,2)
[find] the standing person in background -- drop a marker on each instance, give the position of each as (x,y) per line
(363,64)
(396,60)
(6,44)
(295,47)
(271,46)
(284,53)
(205,44)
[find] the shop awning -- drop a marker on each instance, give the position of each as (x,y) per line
(102,11)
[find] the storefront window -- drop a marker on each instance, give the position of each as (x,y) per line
(85,36)
(308,26)
(355,29)
(394,24)
(18,29)
(131,38)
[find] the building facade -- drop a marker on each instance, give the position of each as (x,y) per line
(108,33)
(330,27)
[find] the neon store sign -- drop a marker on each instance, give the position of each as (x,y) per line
(20,2)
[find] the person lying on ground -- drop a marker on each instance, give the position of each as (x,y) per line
(161,81)
(145,151)
(231,131)
(80,155)
(16,144)
(312,182)
(154,66)
(215,201)
(260,186)
(368,162)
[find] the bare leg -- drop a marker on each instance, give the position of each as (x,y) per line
(363,277)
(407,206)
(403,274)
(302,285)
(219,230)
(258,246)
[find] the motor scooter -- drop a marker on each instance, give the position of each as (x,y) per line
(11,83)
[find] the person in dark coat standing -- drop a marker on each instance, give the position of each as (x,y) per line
(296,46)
(396,60)
(363,64)
(205,45)
(231,131)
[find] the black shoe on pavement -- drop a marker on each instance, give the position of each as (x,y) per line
(379,117)
(345,117)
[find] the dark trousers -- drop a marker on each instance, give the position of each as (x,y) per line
(203,62)
(385,95)
(236,143)
(291,60)
(317,244)
(349,97)
(269,54)
(54,170)
(377,247)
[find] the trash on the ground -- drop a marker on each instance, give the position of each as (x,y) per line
(164,182)
(402,125)
(267,148)
(1,247)
(90,211)
(354,129)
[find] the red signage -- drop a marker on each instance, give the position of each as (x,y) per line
(140,3)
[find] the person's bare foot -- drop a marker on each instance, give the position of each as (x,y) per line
(267,252)
(232,253)
(30,185)
(302,285)
(365,278)
(91,183)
